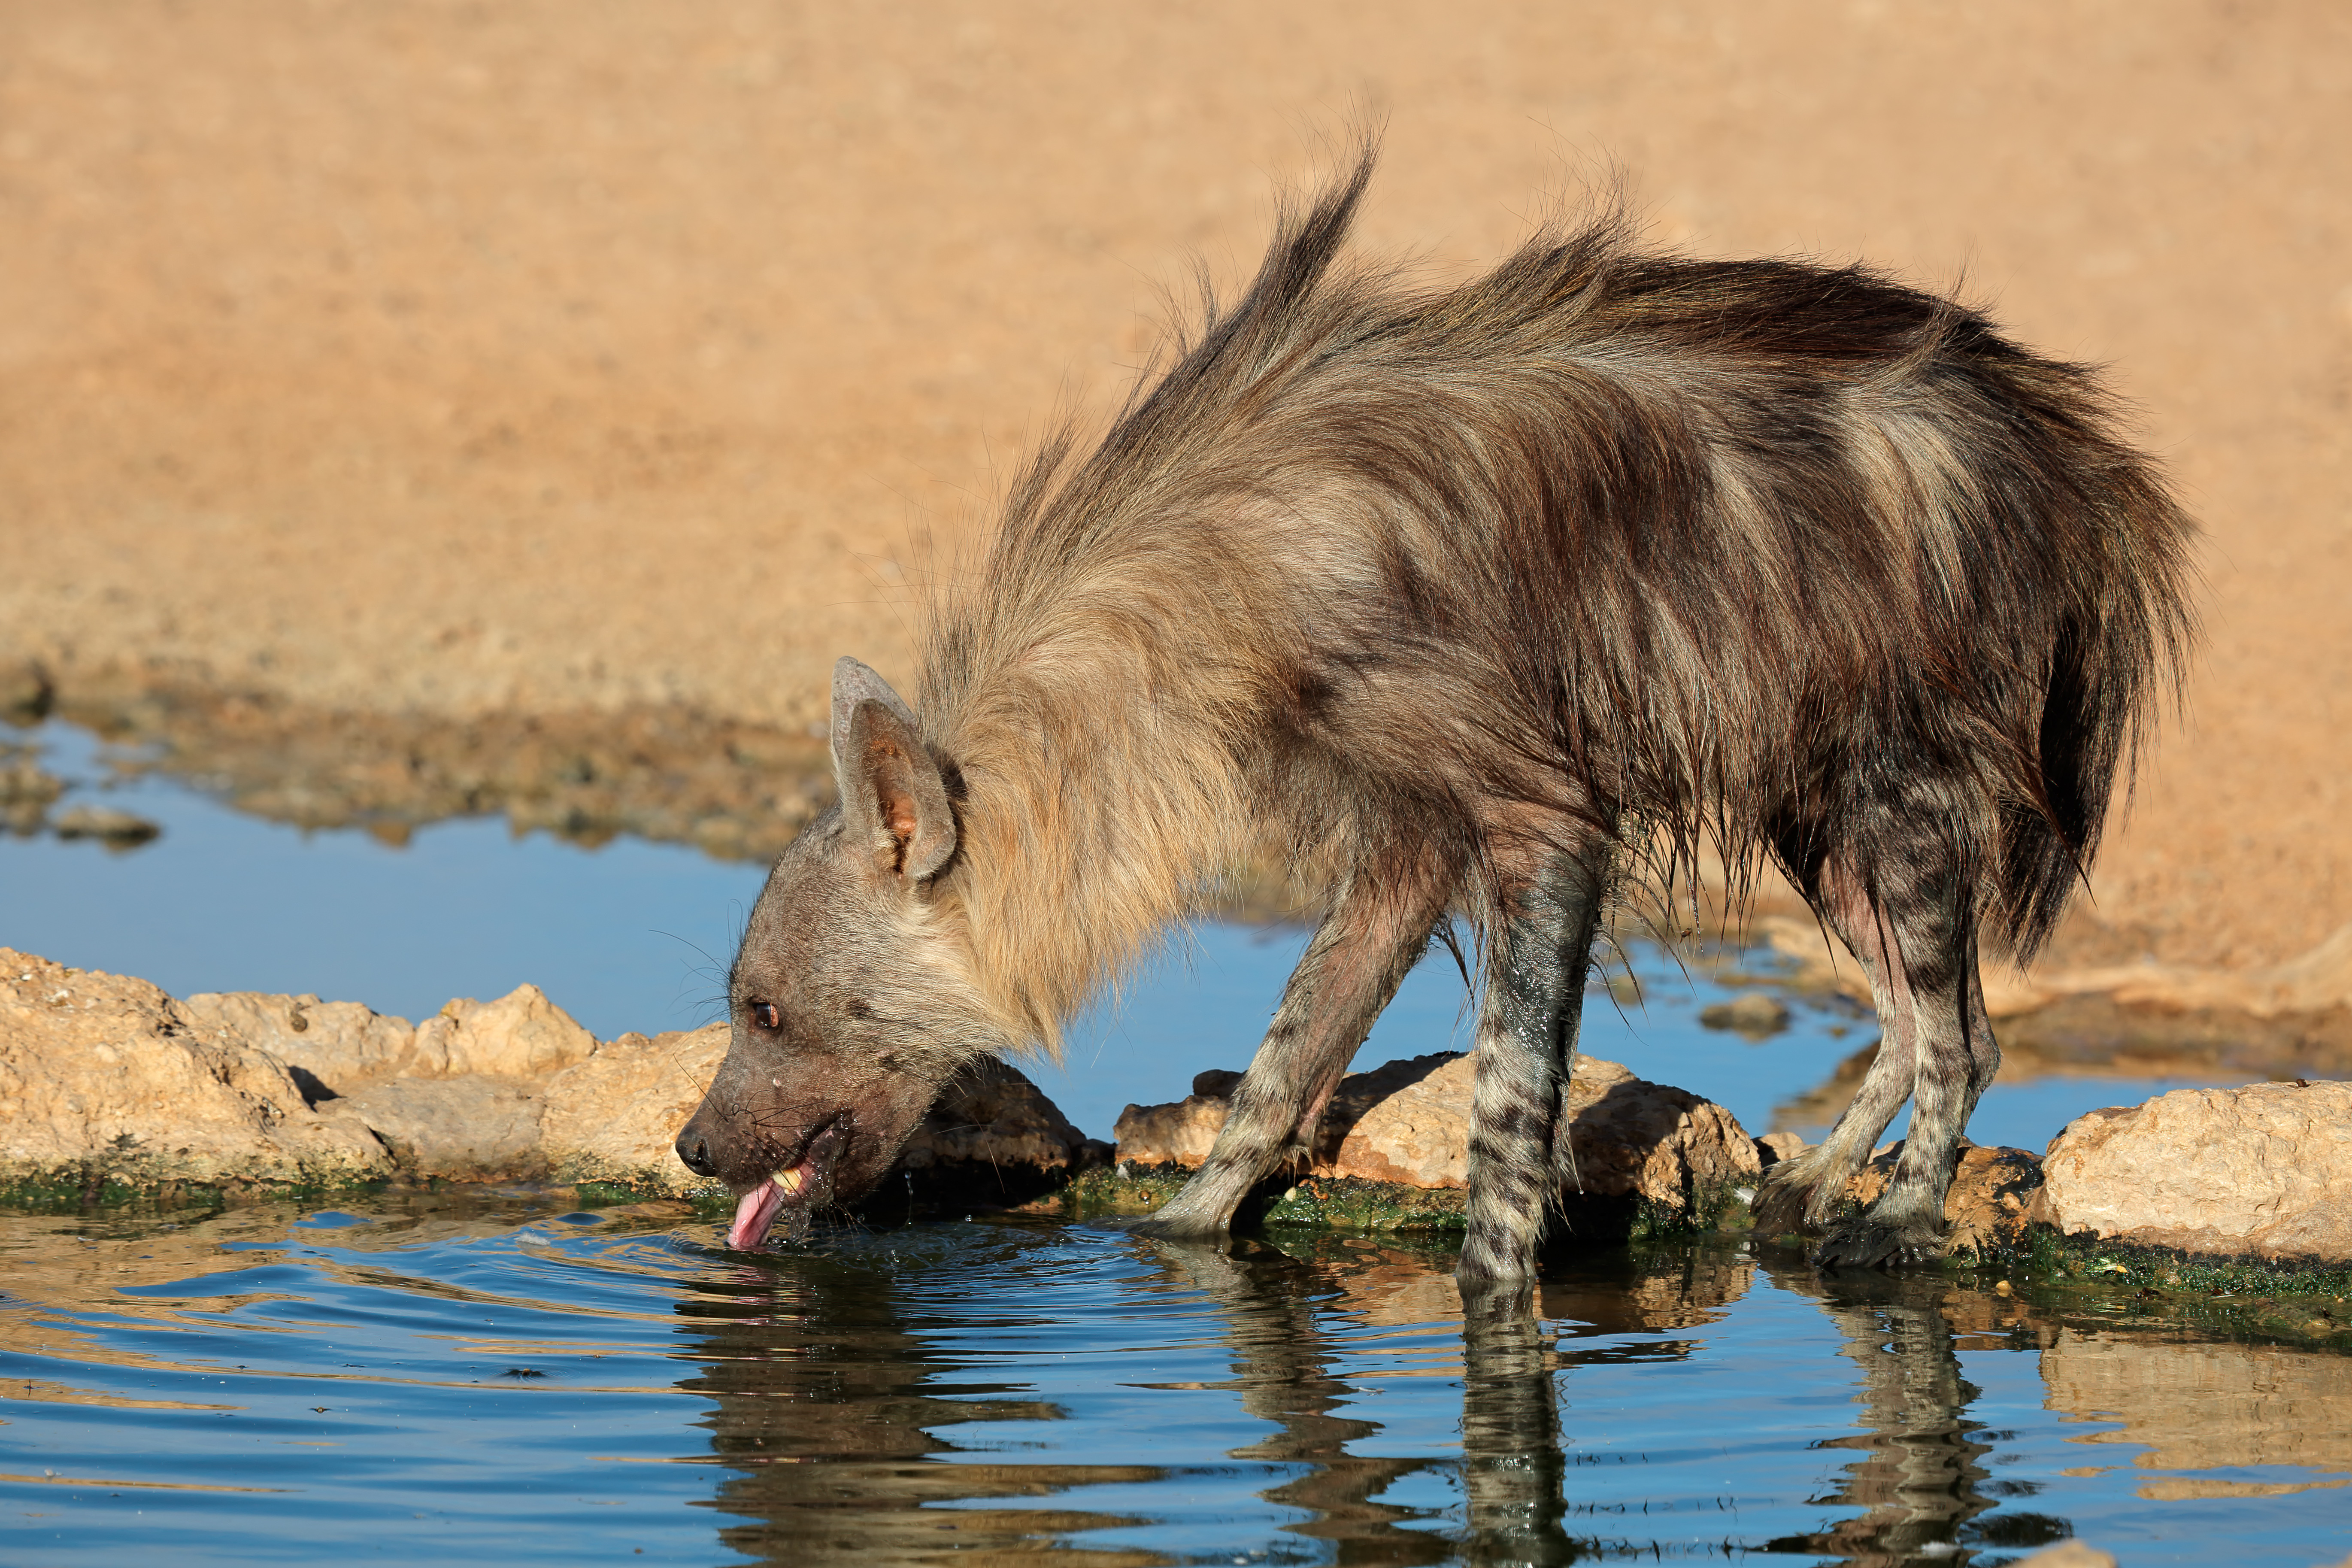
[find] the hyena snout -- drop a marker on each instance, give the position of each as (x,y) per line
(693,1150)
(701,1142)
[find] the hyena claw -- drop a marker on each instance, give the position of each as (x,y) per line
(1864,1243)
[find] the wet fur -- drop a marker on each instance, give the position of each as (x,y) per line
(1481,600)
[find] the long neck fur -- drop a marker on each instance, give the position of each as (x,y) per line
(1088,696)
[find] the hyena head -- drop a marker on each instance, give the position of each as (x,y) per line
(850,996)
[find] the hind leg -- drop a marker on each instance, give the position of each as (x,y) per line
(1984,1051)
(1807,1190)
(1537,960)
(1921,933)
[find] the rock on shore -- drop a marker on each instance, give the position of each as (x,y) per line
(1407,1123)
(2264,1171)
(107,1080)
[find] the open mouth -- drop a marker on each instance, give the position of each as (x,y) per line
(801,1185)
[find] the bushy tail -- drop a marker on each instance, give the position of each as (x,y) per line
(2121,652)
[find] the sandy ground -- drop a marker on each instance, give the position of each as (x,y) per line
(464,358)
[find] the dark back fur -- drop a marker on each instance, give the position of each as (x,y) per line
(1694,551)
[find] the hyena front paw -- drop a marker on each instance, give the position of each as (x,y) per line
(1862,1242)
(1782,1198)
(1167,1227)
(1191,1215)
(1491,1260)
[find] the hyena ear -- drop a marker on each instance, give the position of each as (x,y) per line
(892,794)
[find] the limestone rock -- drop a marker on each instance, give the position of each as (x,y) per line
(614,1117)
(1178,1134)
(1409,1123)
(331,1047)
(1406,1122)
(467,1128)
(1633,1139)
(2265,1170)
(1990,1204)
(523,1034)
(109,1079)
(106,1078)
(341,1046)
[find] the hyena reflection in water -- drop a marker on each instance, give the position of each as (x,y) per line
(1463,604)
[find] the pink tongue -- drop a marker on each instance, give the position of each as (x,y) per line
(753,1216)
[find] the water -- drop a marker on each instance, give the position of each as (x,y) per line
(628,936)
(483,1377)
(634,935)
(493,1376)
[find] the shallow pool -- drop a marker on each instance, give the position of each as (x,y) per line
(492,1375)
(480,1377)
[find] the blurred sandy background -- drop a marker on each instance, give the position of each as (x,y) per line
(549,357)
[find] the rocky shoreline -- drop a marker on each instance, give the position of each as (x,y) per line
(115,1089)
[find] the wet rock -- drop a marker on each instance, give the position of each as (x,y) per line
(1665,1147)
(2264,1171)
(1408,1122)
(106,1079)
(1989,1207)
(991,1113)
(114,828)
(1755,1014)
(993,1138)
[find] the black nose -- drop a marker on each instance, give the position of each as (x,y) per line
(695,1155)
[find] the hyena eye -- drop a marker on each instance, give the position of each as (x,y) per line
(765,1017)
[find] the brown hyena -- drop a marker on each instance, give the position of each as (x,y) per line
(1466,604)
